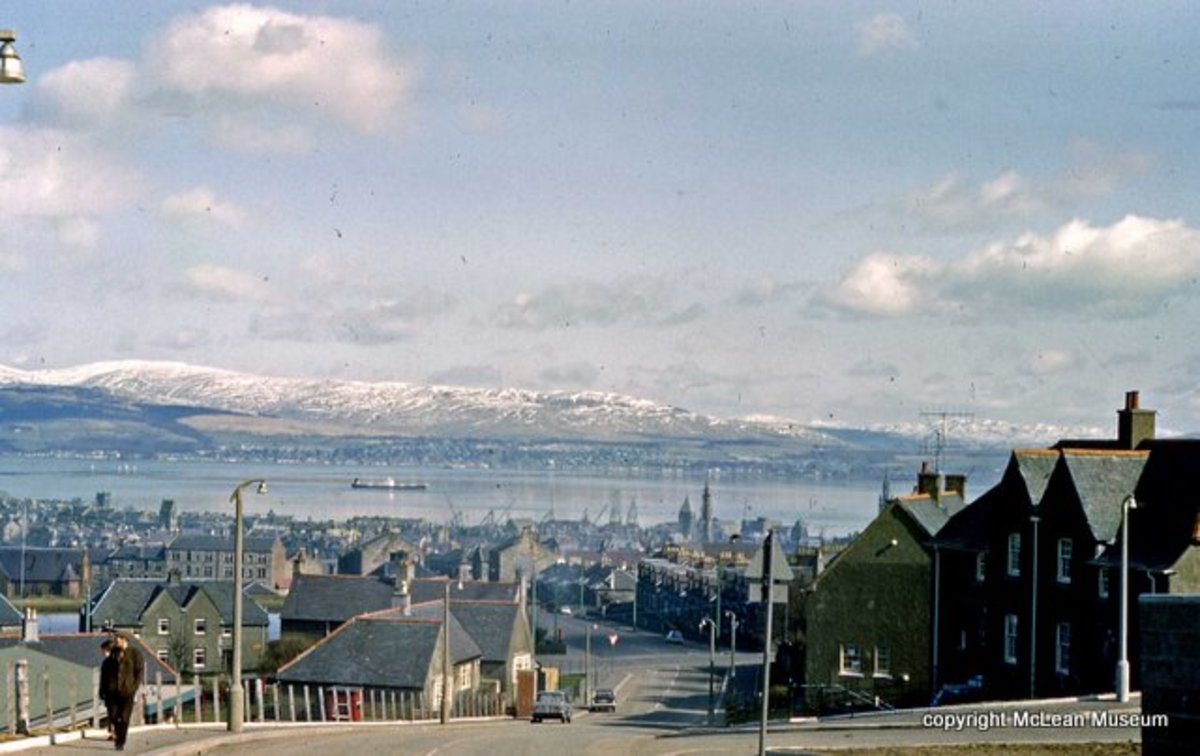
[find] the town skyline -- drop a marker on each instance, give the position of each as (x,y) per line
(828,213)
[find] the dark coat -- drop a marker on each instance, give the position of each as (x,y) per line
(130,669)
(108,676)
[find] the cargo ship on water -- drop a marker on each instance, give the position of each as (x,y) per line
(386,484)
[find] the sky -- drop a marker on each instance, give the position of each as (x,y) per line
(841,212)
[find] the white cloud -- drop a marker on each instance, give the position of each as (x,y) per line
(81,233)
(201,203)
(952,202)
(1050,362)
(883,32)
(645,302)
(956,202)
(56,173)
(86,92)
(224,284)
(266,56)
(280,138)
(1124,269)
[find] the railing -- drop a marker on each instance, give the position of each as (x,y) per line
(32,705)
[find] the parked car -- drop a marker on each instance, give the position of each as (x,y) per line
(551,704)
(604,699)
(674,636)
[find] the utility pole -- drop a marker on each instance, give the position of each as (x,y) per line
(447,665)
(768,586)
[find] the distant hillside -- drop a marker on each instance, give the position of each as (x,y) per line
(148,408)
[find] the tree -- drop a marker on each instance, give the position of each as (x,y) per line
(282,651)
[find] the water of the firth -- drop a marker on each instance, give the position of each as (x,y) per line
(323,491)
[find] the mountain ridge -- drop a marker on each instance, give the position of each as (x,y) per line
(410,410)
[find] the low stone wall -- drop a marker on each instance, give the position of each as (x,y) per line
(1170,673)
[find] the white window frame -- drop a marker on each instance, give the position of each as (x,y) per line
(164,625)
(1062,648)
(1014,554)
(980,566)
(883,661)
(850,660)
(199,657)
(1102,582)
(1010,638)
(200,626)
(164,655)
(1064,550)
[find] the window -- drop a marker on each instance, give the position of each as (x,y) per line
(1014,554)
(1102,583)
(164,626)
(1010,638)
(1062,648)
(164,655)
(883,661)
(1064,560)
(201,626)
(199,657)
(980,566)
(226,632)
(851,659)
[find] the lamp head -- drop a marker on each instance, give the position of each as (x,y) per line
(11,70)
(262,487)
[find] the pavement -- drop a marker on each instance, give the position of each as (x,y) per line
(190,739)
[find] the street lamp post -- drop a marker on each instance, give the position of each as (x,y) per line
(587,665)
(236,693)
(733,623)
(712,651)
(1123,663)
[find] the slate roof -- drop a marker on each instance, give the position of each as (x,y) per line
(1102,480)
(141,553)
(124,601)
(462,642)
(1160,529)
(84,649)
(1033,468)
(929,515)
(378,652)
(42,565)
(469,590)
(9,614)
(202,542)
(490,623)
(334,598)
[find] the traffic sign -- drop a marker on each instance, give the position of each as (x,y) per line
(781,571)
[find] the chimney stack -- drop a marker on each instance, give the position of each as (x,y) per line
(927,481)
(957,484)
(1134,424)
(29,626)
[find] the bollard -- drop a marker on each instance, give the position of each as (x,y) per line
(307,706)
(96,698)
(292,702)
(216,700)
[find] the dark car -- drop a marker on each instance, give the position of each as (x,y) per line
(551,704)
(604,699)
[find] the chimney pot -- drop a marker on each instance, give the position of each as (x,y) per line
(1131,400)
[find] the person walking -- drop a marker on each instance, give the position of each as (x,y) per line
(108,682)
(130,668)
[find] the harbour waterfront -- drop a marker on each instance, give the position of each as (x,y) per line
(324,492)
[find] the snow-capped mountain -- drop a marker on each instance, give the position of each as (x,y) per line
(402,408)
